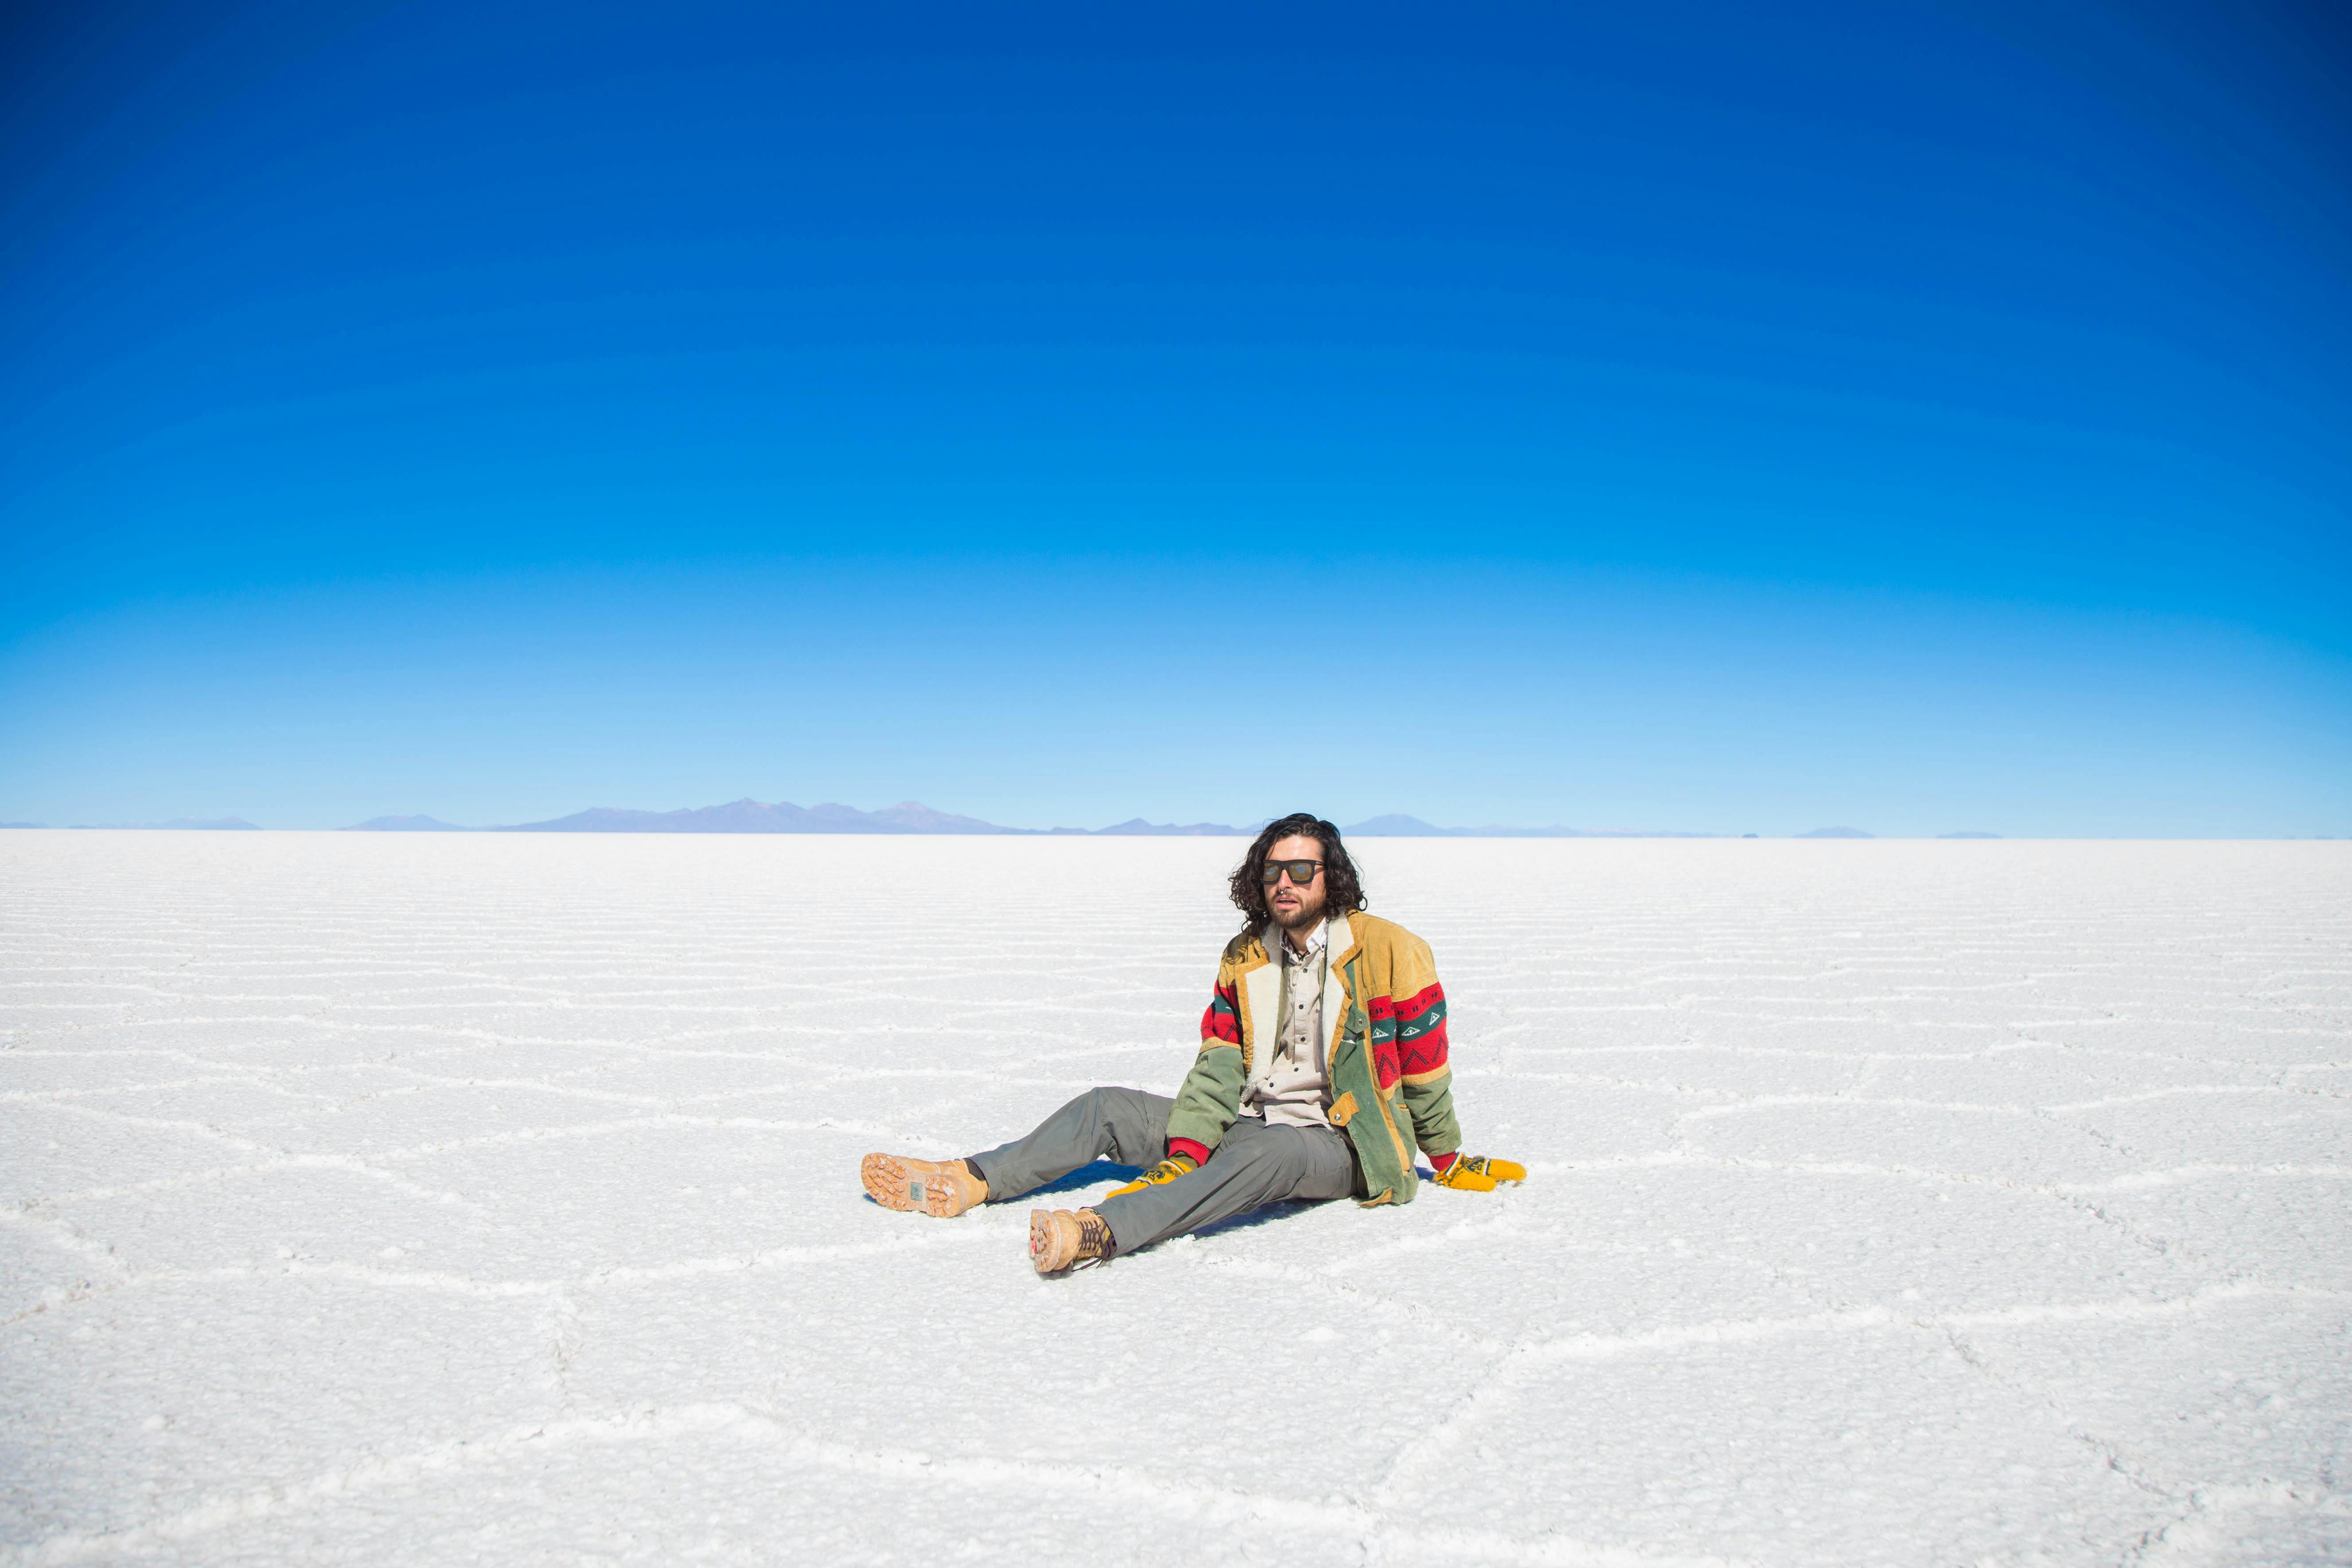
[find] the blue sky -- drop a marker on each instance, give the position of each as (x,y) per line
(1924,417)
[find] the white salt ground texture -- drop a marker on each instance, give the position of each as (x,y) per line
(487,1199)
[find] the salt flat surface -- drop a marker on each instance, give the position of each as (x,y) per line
(494,1199)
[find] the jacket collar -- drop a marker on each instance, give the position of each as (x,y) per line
(1341,940)
(1342,937)
(1340,931)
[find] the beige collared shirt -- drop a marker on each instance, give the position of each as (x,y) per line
(1292,1087)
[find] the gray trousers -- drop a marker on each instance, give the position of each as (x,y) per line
(1255,1164)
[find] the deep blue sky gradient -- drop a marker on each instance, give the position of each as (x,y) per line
(1669,416)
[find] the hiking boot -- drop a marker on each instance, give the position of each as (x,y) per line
(941,1188)
(1059,1239)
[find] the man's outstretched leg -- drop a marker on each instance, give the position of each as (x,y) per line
(1126,1124)
(1255,1165)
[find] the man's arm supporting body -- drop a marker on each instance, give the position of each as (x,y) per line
(1212,1093)
(1409,1021)
(1426,1078)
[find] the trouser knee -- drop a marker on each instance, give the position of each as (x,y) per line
(1131,1123)
(1110,1109)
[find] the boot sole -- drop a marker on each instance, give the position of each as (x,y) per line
(890,1184)
(1043,1243)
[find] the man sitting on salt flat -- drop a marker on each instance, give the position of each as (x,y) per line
(1322,1068)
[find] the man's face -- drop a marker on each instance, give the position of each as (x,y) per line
(1294,908)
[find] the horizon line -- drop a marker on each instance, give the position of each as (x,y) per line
(748,816)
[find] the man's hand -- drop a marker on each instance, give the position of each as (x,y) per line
(1168,1169)
(1477,1173)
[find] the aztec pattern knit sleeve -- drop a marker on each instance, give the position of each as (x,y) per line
(1415,1048)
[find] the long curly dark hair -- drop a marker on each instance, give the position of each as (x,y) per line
(1343,890)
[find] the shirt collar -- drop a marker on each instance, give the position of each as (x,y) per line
(1314,941)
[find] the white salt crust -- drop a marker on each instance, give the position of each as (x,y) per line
(492,1198)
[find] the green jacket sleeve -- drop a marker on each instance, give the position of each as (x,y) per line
(1211,1097)
(1430,1105)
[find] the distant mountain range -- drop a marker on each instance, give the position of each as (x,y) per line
(747,816)
(909,816)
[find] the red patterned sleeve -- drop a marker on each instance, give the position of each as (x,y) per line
(1421,1031)
(1221,1023)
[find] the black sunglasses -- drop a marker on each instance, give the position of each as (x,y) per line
(1302,872)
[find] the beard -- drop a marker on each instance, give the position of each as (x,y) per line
(1302,918)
